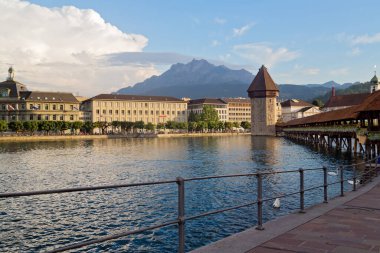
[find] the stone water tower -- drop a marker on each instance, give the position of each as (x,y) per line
(265,111)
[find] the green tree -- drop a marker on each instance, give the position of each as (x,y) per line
(194,117)
(212,125)
(236,124)
(201,126)
(3,126)
(16,126)
(150,127)
(228,126)
(45,126)
(209,114)
(87,127)
(171,125)
(220,126)
(161,125)
(139,124)
(318,102)
(245,125)
(127,126)
(115,125)
(76,125)
(192,126)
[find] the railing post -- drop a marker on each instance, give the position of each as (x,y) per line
(341,181)
(354,178)
(181,214)
(302,191)
(259,202)
(324,185)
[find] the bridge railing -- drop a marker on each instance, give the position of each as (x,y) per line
(182,218)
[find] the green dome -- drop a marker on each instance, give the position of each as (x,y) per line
(375,79)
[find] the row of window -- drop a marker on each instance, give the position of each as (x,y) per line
(39,117)
(239,109)
(140,105)
(53,107)
(140,112)
(240,114)
(134,119)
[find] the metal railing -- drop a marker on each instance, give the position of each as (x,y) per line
(182,218)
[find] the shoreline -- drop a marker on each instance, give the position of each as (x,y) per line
(94,137)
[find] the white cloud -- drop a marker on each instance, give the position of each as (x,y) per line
(365,39)
(62,48)
(354,51)
(237,32)
(220,21)
(339,72)
(215,43)
(263,54)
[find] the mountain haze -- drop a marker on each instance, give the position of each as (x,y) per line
(199,78)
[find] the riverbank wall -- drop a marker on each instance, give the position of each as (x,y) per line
(116,136)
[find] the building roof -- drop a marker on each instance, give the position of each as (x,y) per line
(372,103)
(374,79)
(346,100)
(237,100)
(305,109)
(207,101)
(42,96)
(14,87)
(135,98)
(262,82)
(295,102)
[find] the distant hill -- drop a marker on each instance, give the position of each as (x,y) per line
(200,78)
(352,89)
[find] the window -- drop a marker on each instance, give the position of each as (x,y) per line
(122,112)
(46,117)
(151,112)
(54,117)
(61,107)
(104,112)
(46,107)
(110,112)
(61,117)
(168,112)
(23,106)
(54,107)
(134,112)
(146,104)
(173,112)
(117,112)
(97,111)
(31,117)
(71,107)
(129,112)
(71,117)
(162,112)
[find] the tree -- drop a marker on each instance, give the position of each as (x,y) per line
(192,126)
(201,126)
(318,102)
(76,125)
(209,114)
(3,126)
(45,126)
(212,125)
(139,124)
(87,127)
(127,126)
(194,117)
(245,125)
(236,124)
(171,125)
(115,125)
(16,126)
(150,127)
(228,126)
(161,125)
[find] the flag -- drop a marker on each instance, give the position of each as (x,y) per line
(35,107)
(76,108)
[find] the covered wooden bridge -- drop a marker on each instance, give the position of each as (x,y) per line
(354,129)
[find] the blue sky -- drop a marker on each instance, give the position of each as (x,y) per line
(301,41)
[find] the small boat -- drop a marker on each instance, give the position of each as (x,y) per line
(352,181)
(276,203)
(333,173)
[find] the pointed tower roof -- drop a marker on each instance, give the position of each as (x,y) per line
(263,85)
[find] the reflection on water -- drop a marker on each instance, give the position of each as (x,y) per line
(40,223)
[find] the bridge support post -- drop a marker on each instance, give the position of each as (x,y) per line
(325,185)
(259,202)
(341,181)
(302,191)
(181,214)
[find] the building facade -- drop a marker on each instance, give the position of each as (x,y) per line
(150,109)
(296,108)
(239,109)
(17,103)
(221,107)
(265,110)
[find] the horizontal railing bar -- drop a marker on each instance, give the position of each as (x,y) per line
(80,189)
(219,211)
(312,169)
(279,172)
(313,188)
(336,182)
(222,176)
(111,237)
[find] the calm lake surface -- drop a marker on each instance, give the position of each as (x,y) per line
(41,223)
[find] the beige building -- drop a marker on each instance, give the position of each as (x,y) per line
(265,109)
(150,109)
(19,104)
(221,107)
(296,108)
(239,109)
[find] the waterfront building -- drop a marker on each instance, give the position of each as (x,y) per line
(17,103)
(265,109)
(221,107)
(375,84)
(239,109)
(150,109)
(337,102)
(296,108)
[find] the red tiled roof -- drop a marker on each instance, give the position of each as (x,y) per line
(346,100)
(207,101)
(261,83)
(372,103)
(135,98)
(237,100)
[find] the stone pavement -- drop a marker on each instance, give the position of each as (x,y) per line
(346,224)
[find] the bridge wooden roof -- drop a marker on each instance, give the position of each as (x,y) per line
(372,103)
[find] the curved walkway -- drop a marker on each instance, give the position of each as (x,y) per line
(346,224)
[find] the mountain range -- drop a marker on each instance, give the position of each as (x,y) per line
(199,79)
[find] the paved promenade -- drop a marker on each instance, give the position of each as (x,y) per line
(346,224)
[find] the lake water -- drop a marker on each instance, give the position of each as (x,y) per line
(41,223)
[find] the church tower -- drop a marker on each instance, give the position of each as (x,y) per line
(375,84)
(265,110)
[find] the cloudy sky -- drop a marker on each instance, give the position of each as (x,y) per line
(97,46)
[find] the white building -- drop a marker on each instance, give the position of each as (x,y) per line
(296,108)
